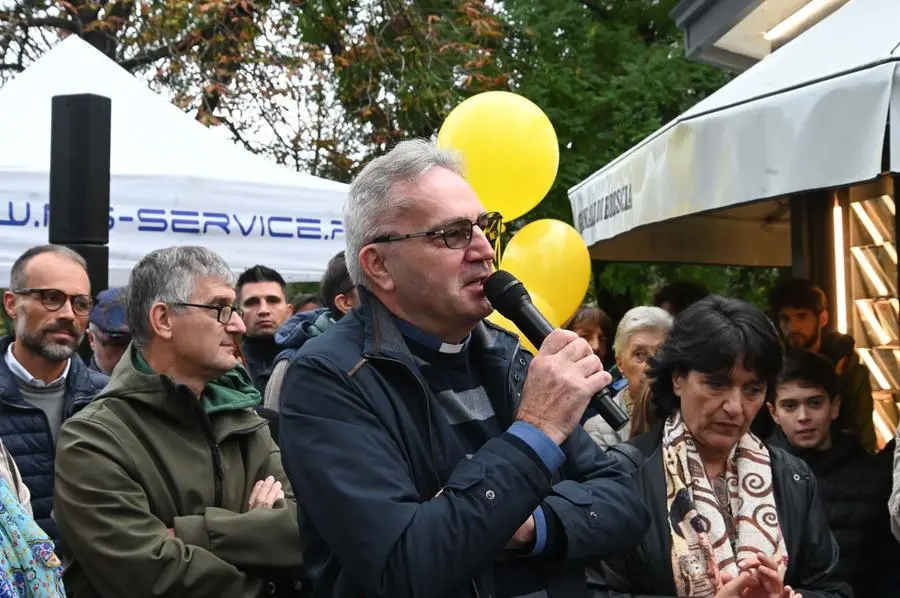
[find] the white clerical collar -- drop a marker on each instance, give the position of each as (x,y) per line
(19,370)
(428,340)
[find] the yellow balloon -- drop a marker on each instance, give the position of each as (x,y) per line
(508,147)
(543,307)
(552,261)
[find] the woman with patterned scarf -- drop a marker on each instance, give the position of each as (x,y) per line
(731,517)
(28,566)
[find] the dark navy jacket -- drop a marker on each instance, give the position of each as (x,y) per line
(367,452)
(26,433)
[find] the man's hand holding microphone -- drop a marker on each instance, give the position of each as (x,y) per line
(562,379)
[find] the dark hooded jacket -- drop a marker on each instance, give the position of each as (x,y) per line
(854,489)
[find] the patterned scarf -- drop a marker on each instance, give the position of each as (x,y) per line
(28,566)
(714,528)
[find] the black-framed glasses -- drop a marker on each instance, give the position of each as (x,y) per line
(54,299)
(223,312)
(456,234)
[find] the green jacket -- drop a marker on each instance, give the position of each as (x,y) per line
(146,456)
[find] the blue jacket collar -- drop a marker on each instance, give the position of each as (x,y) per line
(492,348)
(382,337)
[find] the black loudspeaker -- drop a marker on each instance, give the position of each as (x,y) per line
(79,171)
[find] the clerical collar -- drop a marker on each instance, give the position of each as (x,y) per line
(429,340)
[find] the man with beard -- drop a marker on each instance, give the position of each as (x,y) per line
(42,380)
(801,310)
(262,293)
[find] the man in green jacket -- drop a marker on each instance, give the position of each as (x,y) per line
(168,483)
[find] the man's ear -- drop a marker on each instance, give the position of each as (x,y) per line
(344,303)
(9,303)
(374,263)
(160,319)
(774,412)
(823,319)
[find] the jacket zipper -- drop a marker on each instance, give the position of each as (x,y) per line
(510,385)
(218,472)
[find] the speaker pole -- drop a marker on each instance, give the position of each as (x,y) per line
(79,181)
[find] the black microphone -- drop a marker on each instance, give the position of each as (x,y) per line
(509,296)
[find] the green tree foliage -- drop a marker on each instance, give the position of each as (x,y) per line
(6,324)
(638,282)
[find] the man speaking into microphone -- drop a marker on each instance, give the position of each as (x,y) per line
(431,456)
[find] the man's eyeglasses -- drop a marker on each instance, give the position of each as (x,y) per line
(456,234)
(223,312)
(54,299)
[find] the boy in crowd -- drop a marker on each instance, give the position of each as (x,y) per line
(852,487)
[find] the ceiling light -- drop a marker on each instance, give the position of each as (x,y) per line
(803,15)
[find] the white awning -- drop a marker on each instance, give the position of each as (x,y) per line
(813,115)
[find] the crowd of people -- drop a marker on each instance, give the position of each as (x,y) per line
(383,439)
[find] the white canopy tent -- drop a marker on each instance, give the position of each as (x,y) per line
(812,115)
(173,181)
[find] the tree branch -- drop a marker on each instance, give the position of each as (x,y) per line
(237,134)
(190,41)
(136,62)
(60,22)
(67,24)
(225,58)
(11,67)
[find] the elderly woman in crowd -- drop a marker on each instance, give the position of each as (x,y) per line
(732,518)
(593,325)
(639,334)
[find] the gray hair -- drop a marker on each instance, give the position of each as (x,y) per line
(17,278)
(372,200)
(639,319)
(168,276)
